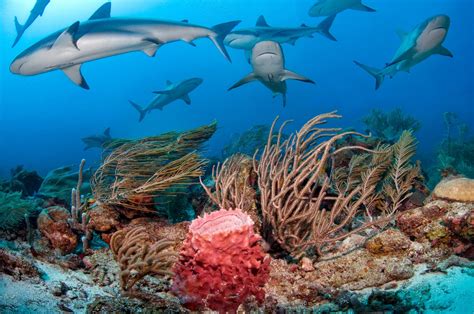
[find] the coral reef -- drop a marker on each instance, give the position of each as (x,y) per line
(13,209)
(455,189)
(133,173)
(390,126)
(53,224)
(221,264)
(138,256)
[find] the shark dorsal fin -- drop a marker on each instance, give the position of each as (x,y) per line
(67,38)
(303,25)
(75,75)
(107,132)
(168,82)
(261,22)
(401,34)
(185,21)
(103,12)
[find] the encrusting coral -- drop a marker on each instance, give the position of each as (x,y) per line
(133,173)
(138,256)
(221,264)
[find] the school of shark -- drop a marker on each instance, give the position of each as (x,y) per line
(102,36)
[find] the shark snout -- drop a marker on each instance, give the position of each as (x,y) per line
(15,66)
(442,21)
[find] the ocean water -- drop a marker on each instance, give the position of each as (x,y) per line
(43,117)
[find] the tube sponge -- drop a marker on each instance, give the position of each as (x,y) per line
(221,263)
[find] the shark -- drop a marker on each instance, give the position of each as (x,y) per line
(97,141)
(268,63)
(247,38)
(416,46)
(37,11)
(172,92)
(333,7)
(102,36)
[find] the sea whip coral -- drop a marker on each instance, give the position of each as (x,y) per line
(221,263)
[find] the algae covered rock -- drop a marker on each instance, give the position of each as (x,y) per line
(456,189)
(389,242)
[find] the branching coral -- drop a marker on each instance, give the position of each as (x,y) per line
(138,256)
(133,173)
(389,126)
(13,209)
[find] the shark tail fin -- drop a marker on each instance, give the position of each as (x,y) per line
(19,31)
(325,26)
(376,73)
(221,31)
(141,111)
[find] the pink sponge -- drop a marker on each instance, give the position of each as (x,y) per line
(221,263)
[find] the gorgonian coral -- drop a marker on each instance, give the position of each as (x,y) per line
(13,209)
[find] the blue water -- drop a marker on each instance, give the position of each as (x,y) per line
(43,117)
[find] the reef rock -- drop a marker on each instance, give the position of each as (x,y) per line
(221,264)
(102,219)
(16,266)
(53,224)
(455,189)
(389,242)
(443,224)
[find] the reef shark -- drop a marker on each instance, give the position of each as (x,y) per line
(247,38)
(172,92)
(268,63)
(102,36)
(423,41)
(332,7)
(37,10)
(97,141)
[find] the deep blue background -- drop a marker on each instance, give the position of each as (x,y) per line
(42,118)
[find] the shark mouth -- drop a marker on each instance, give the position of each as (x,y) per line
(267,53)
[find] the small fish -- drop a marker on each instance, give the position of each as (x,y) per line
(247,38)
(268,63)
(102,36)
(423,41)
(172,92)
(332,7)
(37,10)
(97,141)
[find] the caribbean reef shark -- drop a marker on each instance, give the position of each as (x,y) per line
(172,92)
(97,141)
(423,41)
(332,7)
(268,63)
(247,38)
(37,10)
(102,36)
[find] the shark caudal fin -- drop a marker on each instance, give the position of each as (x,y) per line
(141,111)
(376,73)
(325,26)
(19,31)
(221,31)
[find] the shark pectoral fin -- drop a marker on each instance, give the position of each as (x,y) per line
(289,75)
(186,99)
(261,22)
(75,75)
(292,41)
(401,34)
(247,79)
(362,7)
(103,12)
(444,52)
(151,51)
(67,38)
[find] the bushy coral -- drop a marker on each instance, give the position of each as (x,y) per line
(221,264)
(389,126)
(13,209)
